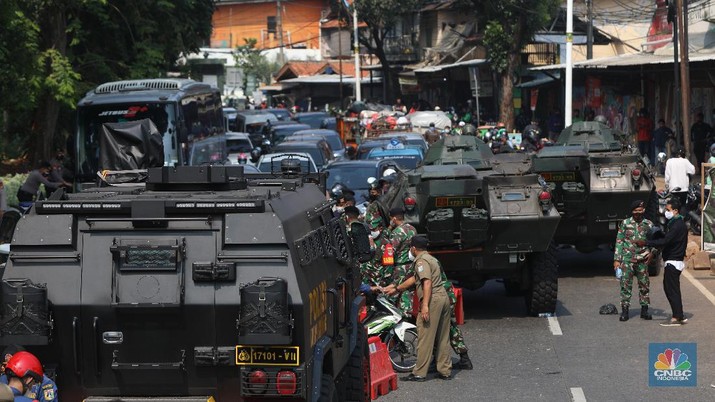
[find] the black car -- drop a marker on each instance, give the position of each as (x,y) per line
(277,132)
(281,113)
(331,136)
(313,119)
(354,174)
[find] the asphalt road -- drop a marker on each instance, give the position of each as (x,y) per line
(597,357)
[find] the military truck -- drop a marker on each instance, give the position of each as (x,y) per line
(485,216)
(594,179)
(201,284)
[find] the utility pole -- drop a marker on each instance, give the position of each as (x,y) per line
(677,124)
(340,55)
(279,28)
(356,45)
(569,64)
(684,74)
(589,32)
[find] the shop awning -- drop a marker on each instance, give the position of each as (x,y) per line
(628,60)
(331,79)
(540,79)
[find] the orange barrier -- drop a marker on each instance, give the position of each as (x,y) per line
(458,307)
(382,377)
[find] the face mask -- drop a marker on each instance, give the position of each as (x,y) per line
(638,217)
(339,210)
(375,234)
(668,214)
(410,255)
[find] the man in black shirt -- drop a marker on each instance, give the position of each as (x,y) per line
(673,252)
(700,133)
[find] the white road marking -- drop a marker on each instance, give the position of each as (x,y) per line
(699,286)
(577,395)
(554,326)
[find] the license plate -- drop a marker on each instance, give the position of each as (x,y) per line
(267,355)
(559,176)
(446,202)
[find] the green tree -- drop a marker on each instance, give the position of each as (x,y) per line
(57,49)
(380,17)
(252,62)
(511,25)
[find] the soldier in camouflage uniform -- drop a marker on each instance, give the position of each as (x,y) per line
(400,235)
(456,340)
(633,260)
(372,271)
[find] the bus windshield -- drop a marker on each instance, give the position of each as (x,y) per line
(91,118)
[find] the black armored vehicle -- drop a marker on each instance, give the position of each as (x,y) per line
(593,180)
(201,284)
(485,216)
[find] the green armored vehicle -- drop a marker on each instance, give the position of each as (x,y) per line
(593,180)
(486,216)
(203,284)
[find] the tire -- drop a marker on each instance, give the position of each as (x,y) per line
(356,376)
(403,355)
(543,289)
(327,389)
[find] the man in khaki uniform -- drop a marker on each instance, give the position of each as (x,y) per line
(434,317)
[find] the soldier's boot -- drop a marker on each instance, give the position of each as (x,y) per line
(624,313)
(464,363)
(645,314)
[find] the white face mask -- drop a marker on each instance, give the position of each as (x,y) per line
(668,214)
(374,235)
(410,255)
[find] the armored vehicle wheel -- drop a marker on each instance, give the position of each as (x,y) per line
(356,376)
(542,293)
(327,389)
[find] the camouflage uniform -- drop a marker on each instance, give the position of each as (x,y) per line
(400,238)
(372,271)
(456,340)
(633,259)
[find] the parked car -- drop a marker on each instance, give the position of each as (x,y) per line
(281,114)
(208,151)
(407,156)
(271,163)
(354,174)
(331,136)
(409,138)
(319,150)
(277,132)
(313,119)
(238,144)
(252,122)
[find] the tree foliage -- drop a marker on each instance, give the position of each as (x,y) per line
(252,62)
(52,51)
(509,26)
(380,16)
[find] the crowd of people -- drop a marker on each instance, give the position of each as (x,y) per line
(400,266)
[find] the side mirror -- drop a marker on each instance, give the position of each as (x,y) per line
(361,243)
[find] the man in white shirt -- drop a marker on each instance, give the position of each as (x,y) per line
(677,170)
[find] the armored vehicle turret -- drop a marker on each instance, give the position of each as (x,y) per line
(485,217)
(594,179)
(202,284)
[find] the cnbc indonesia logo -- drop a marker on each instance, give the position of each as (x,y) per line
(673,365)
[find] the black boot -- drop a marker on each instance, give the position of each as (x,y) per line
(645,314)
(624,313)
(464,363)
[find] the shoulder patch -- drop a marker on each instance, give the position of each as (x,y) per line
(420,268)
(49,394)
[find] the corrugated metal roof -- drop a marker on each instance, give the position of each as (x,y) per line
(629,60)
(330,79)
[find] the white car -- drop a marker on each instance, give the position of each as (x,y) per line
(238,144)
(271,163)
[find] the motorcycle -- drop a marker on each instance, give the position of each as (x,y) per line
(692,215)
(386,321)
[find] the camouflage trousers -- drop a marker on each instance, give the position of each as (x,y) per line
(640,271)
(374,273)
(404,300)
(456,340)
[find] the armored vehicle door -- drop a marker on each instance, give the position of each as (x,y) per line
(148,315)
